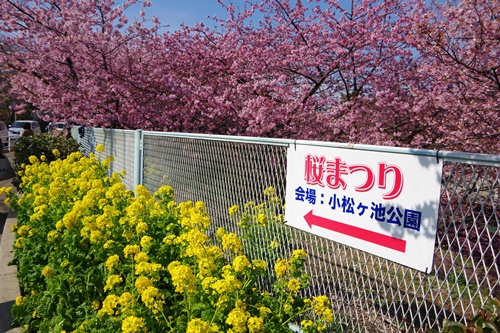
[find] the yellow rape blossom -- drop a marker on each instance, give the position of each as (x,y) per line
(298,256)
(99,148)
(126,299)
(108,244)
(19,242)
(255,324)
(261,219)
(142,191)
(153,299)
(269,191)
(111,281)
(231,242)
(142,283)
(48,271)
(141,257)
(238,319)
(19,300)
(207,283)
(141,227)
(133,324)
(281,267)
(33,159)
(169,240)
(147,268)
(322,308)
(23,230)
(198,326)
(259,264)
(182,277)
(108,306)
(214,252)
(232,210)
(96,236)
(112,261)
(241,263)
(165,192)
(206,266)
(131,250)
(293,285)
(264,311)
(146,242)
(220,232)
(96,305)
(306,324)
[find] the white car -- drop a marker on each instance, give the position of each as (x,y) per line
(60,126)
(17,127)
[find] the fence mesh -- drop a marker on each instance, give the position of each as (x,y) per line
(368,293)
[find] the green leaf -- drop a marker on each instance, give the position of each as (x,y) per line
(453,326)
(477,321)
(490,326)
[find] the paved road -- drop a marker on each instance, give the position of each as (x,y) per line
(4,209)
(9,286)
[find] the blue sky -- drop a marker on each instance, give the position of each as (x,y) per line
(189,12)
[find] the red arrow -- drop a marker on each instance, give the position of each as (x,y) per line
(359,233)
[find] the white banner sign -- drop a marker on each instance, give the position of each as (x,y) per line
(382,203)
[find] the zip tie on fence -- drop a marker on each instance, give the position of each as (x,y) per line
(295,144)
(437,156)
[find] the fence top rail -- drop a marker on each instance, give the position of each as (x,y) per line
(449,156)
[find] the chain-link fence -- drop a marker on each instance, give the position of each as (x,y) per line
(368,293)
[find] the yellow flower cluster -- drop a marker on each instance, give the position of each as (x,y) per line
(112,261)
(142,283)
(232,210)
(141,257)
(281,267)
(193,216)
(197,325)
(135,236)
(153,299)
(19,300)
(298,256)
(131,250)
(23,230)
(133,324)
(241,263)
(322,308)
(255,324)
(237,318)
(182,277)
(109,305)
(111,281)
(293,285)
(227,284)
(146,268)
(48,271)
(231,243)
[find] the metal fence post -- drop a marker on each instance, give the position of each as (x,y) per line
(137,158)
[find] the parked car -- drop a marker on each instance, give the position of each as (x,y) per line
(17,127)
(60,126)
(4,134)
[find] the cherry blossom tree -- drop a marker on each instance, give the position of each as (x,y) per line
(395,72)
(75,59)
(459,47)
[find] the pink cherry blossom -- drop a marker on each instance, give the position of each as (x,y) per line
(395,72)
